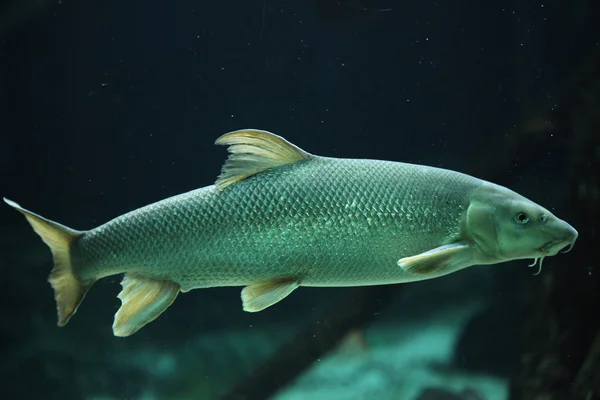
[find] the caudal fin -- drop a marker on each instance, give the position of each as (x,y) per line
(69,290)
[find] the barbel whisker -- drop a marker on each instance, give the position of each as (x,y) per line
(535,260)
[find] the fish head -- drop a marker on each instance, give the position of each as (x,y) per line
(504,226)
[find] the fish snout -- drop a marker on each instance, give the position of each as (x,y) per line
(572,233)
(562,237)
(570,237)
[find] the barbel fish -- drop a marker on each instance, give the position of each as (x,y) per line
(278,218)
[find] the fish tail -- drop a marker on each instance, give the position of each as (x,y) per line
(69,290)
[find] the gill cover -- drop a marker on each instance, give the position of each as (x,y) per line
(481,228)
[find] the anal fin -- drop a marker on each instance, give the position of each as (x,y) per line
(261,295)
(143,299)
(433,260)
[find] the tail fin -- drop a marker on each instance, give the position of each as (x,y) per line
(69,291)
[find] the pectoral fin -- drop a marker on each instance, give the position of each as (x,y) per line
(143,299)
(259,296)
(433,260)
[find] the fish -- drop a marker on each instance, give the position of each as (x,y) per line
(278,218)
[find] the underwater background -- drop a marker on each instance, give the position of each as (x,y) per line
(106,106)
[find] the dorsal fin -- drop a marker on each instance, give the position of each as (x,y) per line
(253,151)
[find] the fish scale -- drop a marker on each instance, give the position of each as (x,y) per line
(316,220)
(278,218)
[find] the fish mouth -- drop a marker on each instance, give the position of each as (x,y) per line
(554,246)
(551,248)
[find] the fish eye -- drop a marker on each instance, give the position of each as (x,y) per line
(522,218)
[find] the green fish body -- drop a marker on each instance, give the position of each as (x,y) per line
(325,221)
(279,218)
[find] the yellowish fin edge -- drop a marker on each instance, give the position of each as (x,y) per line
(254,151)
(69,290)
(261,295)
(143,299)
(433,260)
